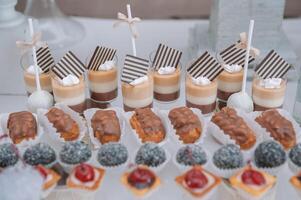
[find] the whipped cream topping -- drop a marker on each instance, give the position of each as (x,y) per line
(233,68)
(108,65)
(270,83)
(201,80)
(31,70)
(139,80)
(70,80)
(166,70)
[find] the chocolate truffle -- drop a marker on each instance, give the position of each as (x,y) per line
(8,155)
(112,154)
(150,154)
(228,157)
(75,153)
(191,154)
(295,155)
(269,154)
(40,153)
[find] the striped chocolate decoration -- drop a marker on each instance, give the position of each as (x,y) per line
(44,59)
(100,56)
(272,66)
(166,56)
(134,67)
(69,64)
(234,55)
(206,66)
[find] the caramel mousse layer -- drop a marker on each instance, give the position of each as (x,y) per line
(69,95)
(103,84)
(138,96)
(267,97)
(202,97)
(167,83)
(30,82)
(230,82)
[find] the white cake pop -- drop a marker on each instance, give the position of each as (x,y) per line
(40,98)
(242,100)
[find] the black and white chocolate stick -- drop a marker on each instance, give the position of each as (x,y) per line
(166,56)
(100,56)
(241,99)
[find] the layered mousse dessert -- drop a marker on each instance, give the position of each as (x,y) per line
(30,80)
(137,84)
(167,73)
(228,83)
(68,82)
(268,93)
(102,75)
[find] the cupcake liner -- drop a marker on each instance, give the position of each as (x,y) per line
(115,169)
(64,193)
(209,196)
(184,168)
(25,143)
(52,136)
(225,173)
(89,115)
(266,135)
(223,138)
(293,167)
(298,191)
(270,170)
(176,138)
(128,115)
(270,195)
(47,192)
(158,168)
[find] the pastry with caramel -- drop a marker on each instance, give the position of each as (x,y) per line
(186,123)
(279,127)
(22,126)
(235,127)
(106,127)
(63,123)
(148,125)
(51,178)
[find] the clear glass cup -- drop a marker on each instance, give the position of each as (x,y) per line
(267,98)
(166,86)
(73,96)
(29,77)
(103,85)
(138,96)
(202,97)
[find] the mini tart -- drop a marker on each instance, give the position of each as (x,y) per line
(148,125)
(98,177)
(51,178)
(296,181)
(252,189)
(143,191)
(213,181)
(63,123)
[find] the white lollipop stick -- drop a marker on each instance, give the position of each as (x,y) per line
(128,8)
(250,34)
(35,62)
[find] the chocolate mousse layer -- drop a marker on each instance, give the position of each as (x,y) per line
(204,108)
(127,108)
(80,108)
(104,97)
(221,104)
(262,108)
(167,97)
(224,95)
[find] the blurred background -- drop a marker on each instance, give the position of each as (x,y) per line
(151,9)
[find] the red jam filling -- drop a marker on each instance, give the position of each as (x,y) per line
(84,172)
(252,177)
(195,179)
(141,178)
(42,171)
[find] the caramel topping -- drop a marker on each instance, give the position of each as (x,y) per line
(234,126)
(279,127)
(63,123)
(186,123)
(21,125)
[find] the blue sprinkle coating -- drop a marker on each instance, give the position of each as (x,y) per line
(295,155)
(150,154)
(191,154)
(112,154)
(8,155)
(40,153)
(75,152)
(269,154)
(228,157)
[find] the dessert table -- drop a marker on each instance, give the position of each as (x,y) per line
(152,32)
